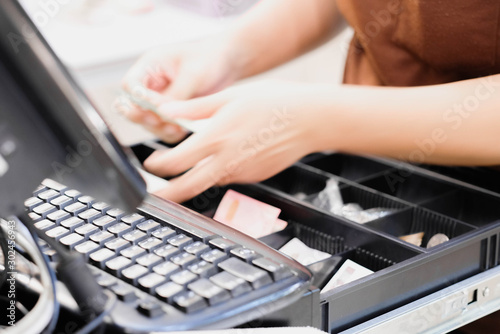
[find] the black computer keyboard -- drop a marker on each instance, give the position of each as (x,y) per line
(171,268)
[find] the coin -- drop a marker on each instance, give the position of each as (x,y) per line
(437,239)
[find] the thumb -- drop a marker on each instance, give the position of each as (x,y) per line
(198,108)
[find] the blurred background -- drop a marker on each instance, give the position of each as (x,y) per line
(99,40)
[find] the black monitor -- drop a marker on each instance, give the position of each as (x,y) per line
(49,128)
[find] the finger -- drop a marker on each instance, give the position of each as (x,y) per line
(193,183)
(179,159)
(170,133)
(198,108)
(147,73)
(183,87)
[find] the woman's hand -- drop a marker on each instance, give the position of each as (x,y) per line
(256,130)
(176,73)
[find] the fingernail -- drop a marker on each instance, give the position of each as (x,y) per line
(151,120)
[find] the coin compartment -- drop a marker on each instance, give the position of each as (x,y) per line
(415,220)
(351,167)
(409,187)
(473,207)
(308,182)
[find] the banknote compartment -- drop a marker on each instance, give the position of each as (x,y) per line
(351,167)
(470,206)
(408,186)
(416,220)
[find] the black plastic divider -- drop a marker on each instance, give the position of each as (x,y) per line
(472,207)
(296,180)
(351,167)
(415,220)
(354,235)
(302,179)
(412,188)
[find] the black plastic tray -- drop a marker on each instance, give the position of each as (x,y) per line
(350,167)
(403,272)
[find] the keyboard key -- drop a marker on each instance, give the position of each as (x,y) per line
(49,183)
(168,291)
(166,269)
(255,276)
(150,244)
(72,193)
(214,256)
(86,200)
(115,213)
(223,244)
(163,233)
(196,232)
(48,195)
(133,273)
(133,219)
(57,232)
(44,209)
(51,254)
(180,241)
(101,237)
(101,206)
(196,248)
(61,201)
(39,189)
(86,230)
(124,292)
(117,244)
(133,252)
(148,226)
(183,260)
(149,260)
(183,277)
(72,223)
(189,302)
(208,290)
(150,308)
(72,240)
(86,248)
(237,286)
(75,208)
(135,236)
(58,216)
(149,282)
(119,229)
(104,222)
(166,251)
(203,269)
(100,257)
(106,281)
(34,217)
(277,271)
(116,265)
(89,215)
(44,225)
(31,202)
(244,254)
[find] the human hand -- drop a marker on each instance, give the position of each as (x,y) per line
(256,130)
(175,73)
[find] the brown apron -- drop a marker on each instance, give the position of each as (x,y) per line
(421,42)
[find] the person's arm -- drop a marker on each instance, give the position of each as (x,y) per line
(275,31)
(259,129)
(452,124)
(271,33)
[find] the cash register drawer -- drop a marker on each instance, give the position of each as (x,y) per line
(419,202)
